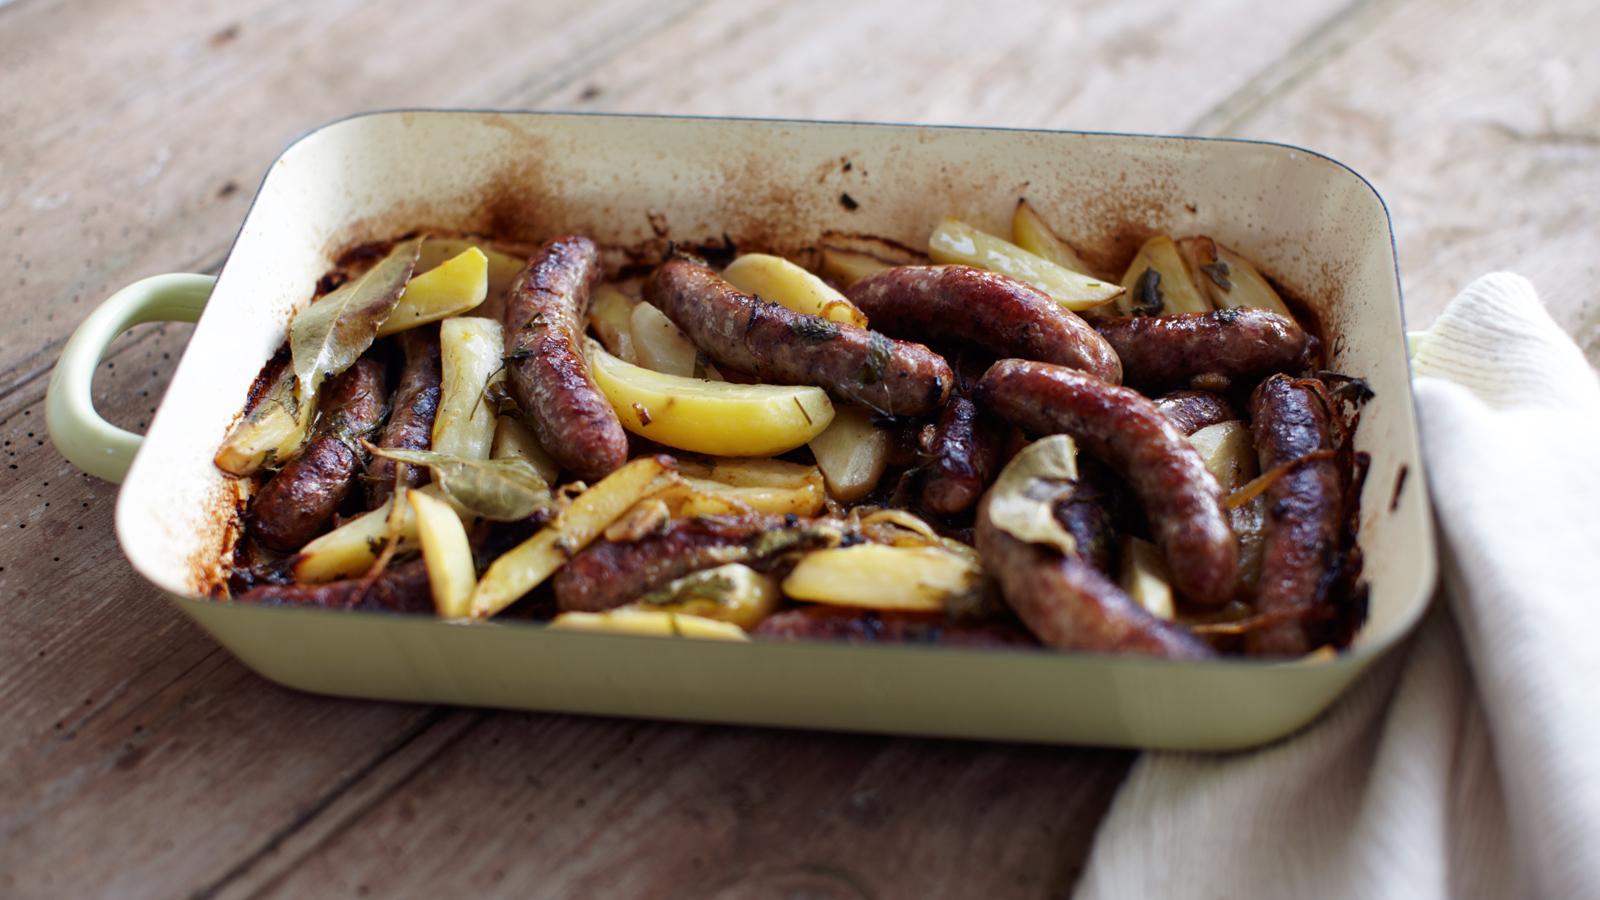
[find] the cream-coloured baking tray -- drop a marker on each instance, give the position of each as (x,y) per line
(627,181)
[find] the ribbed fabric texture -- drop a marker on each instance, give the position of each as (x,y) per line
(1468,765)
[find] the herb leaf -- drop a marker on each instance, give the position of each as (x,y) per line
(1147,297)
(879,349)
(814,329)
(1218,273)
(501,490)
(332,333)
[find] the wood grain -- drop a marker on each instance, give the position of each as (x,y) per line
(138,760)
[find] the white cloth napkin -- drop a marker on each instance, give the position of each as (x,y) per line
(1467,765)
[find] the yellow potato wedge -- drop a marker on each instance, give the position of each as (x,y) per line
(957,242)
(730,593)
(805,500)
(1229,280)
(648,623)
(525,566)
(848,258)
(1173,284)
(1146,579)
(777,280)
(611,318)
(351,549)
(514,440)
(874,576)
(659,345)
(504,268)
(684,502)
(1032,233)
(750,472)
(470,355)
(446,553)
(714,417)
(273,433)
(448,289)
(1229,452)
(852,453)
(850,266)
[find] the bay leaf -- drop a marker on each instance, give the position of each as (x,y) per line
(501,490)
(1022,502)
(332,333)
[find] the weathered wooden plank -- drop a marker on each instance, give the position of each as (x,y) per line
(1482,131)
(562,807)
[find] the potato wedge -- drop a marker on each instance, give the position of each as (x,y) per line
(1032,233)
(351,549)
(874,576)
(611,318)
(852,453)
(446,553)
(732,593)
(660,345)
(714,417)
(1229,280)
(780,281)
(750,472)
(848,258)
(273,433)
(805,500)
(514,440)
(1146,579)
(1229,452)
(470,355)
(1171,284)
(525,566)
(957,242)
(648,623)
(504,268)
(448,289)
(683,501)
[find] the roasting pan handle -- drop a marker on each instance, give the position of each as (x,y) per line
(79,433)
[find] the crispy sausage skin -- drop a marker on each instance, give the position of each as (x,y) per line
(872,626)
(411,413)
(1180,497)
(996,312)
(546,309)
(403,588)
(1070,605)
(297,503)
(1304,508)
(963,458)
(608,574)
(1191,411)
(781,346)
(1166,351)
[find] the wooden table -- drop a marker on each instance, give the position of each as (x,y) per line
(138,759)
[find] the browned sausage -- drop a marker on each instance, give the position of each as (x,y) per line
(411,413)
(1070,605)
(781,346)
(296,504)
(1164,351)
(996,312)
(1304,507)
(1180,496)
(609,574)
(872,626)
(963,458)
(546,309)
(1191,411)
(403,588)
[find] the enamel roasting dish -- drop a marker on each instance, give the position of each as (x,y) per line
(1317,227)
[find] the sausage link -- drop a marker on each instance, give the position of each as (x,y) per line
(781,346)
(295,505)
(546,309)
(994,311)
(1304,507)
(1191,411)
(873,626)
(1180,497)
(1164,351)
(963,458)
(1070,605)
(411,413)
(608,574)
(403,588)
